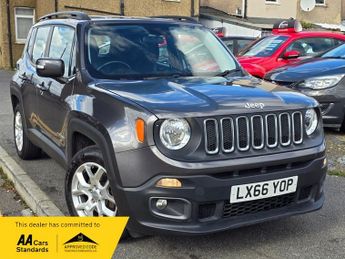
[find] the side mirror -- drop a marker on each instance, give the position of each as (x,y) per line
(48,67)
(291,54)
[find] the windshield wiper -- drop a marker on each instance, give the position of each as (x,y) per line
(228,72)
(335,57)
(174,75)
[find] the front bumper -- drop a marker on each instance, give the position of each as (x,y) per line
(202,204)
(332,104)
(332,109)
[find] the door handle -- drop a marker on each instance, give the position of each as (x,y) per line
(23,76)
(42,86)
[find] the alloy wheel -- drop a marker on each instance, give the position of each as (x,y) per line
(91,191)
(18,131)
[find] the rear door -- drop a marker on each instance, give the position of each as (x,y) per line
(52,105)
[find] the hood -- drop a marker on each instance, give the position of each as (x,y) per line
(196,97)
(254,65)
(306,69)
(251,59)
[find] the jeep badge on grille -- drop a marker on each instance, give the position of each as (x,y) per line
(254,105)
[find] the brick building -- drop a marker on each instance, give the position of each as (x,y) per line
(17,16)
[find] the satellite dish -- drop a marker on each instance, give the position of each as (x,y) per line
(308,5)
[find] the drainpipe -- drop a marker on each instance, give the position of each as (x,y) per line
(9,32)
(244,9)
(122,7)
(192,8)
(56,6)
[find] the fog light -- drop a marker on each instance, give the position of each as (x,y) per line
(169,183)
(161,204)
(324,163)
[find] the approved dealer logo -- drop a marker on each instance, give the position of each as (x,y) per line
(80,243)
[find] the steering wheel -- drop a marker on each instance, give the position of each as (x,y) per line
(123,64)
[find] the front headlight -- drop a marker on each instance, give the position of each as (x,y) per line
(175,133)
(310,121)
(322,82)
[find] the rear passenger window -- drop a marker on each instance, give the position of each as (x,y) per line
(313,46)
(40,43)
(61,45)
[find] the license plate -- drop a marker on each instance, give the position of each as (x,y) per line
(263,190)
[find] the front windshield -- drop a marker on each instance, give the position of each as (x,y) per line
(264,47)
(154,50)
(338,52)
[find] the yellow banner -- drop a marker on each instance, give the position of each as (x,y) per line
(60,237)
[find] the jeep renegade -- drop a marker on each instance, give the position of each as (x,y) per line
(153,118)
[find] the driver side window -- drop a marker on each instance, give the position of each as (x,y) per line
(61,46)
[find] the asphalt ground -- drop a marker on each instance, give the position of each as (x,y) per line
(316,235)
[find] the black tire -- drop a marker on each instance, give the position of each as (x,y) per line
(28,150)
(89,154)
(342,127)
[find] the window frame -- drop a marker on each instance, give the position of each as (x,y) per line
(322,5)
(306,38)
(28,48)
(48,39)
(272,2)
(33,17)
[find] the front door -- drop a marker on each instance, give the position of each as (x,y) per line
(52,93)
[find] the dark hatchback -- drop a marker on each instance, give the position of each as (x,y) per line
(237,43)
(155,119)
(321,77)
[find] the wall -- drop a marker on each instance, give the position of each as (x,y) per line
(342,10)
(227,6)
(2,49)
(44,7)
(231,29)
(106,6)
(331,13)
(284,9)
(17,48)
(160,7)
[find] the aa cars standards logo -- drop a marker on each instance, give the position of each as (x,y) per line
(80,243)
(29,244)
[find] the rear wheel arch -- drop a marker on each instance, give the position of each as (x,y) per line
(16,97)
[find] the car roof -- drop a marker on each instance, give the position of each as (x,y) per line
(238,38)
(311,34)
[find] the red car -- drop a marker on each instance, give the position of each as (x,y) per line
(287,44)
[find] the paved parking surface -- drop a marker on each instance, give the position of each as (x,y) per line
(316,235)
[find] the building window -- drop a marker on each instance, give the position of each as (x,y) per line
(272,1)
(24,19)
(320,2)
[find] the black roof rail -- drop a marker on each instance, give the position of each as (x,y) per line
(179,18)
(72,15)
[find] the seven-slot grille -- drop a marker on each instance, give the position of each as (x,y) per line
(255,132)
